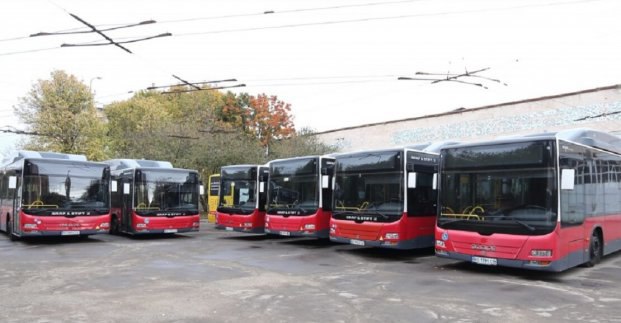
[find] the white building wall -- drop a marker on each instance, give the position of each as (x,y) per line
(599,109)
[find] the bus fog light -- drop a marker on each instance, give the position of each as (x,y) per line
(309,227)
(440,243)
(392,236)
(541,253)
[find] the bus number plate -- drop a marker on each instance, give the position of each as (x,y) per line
(356,242)
(285,233)
(485,261)
(170,230)
(70,233)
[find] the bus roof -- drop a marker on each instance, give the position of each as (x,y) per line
(117,164)
(582,136)
(23,154)
(301,157)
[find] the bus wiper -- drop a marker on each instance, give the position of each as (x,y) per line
(522,223)
(232,209)
(452,221)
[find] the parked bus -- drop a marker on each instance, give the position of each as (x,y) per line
(53,194)
(547,202)
(386,198)
(242,198)
(213,196)
(300,196)
(150,197)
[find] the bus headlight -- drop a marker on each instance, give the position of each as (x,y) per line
(391,236)
(141,225)
(440,243)
(30,225)
(541,253)
(309,227)
(248,224)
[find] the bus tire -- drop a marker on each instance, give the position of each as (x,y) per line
(114,225)
(9,230)
(596,249)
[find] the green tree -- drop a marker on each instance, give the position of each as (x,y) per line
(62,112)
(302,143)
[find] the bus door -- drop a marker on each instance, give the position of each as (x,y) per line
(14,193)
(126,205)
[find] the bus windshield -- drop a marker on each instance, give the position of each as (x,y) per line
(293,187)
(166,190)
(237,190)
(57,185)
(512,191)
(369,187)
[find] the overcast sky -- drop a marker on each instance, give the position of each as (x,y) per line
(336,62)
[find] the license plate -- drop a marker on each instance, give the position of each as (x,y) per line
(228,229)
(284,233)
(485,261)
(357,242)
(170,230)
(70,233)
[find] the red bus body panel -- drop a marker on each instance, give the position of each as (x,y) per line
(413,232)
(314,225)
(160,224)
(568,245)
(34,225)
(250,223)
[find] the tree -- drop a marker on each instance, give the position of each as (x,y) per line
(302,143)
(268,119)
(61,110)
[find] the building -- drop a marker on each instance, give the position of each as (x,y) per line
(598,108)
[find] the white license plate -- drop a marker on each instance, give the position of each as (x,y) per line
(170,230)
(70,233)
(357,242)
(284,233)
(228,229)
(485,261)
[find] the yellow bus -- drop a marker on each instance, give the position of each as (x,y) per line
(213,196)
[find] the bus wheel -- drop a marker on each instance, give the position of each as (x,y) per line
(9,230)
(114,226)
(596,249)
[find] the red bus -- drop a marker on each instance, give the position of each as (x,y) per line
(242,198)
(152,197)
(546,202)
(385,198)
(53,194)
(300,196)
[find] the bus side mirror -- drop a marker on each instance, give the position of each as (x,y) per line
(567,179)
(201,190)
(12,181)
(325,181)
(114,186)
(412,180)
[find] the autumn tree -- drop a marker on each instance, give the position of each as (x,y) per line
(268,119)
(61,110)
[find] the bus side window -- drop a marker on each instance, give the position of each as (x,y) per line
(573,208)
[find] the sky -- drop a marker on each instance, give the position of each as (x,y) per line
(336,62)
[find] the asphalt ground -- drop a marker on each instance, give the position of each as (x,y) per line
(219,276)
